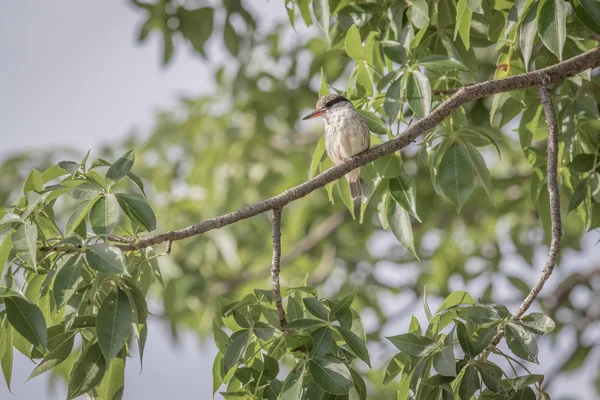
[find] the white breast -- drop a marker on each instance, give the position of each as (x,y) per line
(346,133)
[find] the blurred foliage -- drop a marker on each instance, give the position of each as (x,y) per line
(396,61)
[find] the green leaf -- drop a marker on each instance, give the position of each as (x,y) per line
(298,342)
(235,349)
(5,249)
(491,374)
(582,163)
(113,323)
(321,11)
(27,319)
(394,51)
(113,384)
(373,52)
(151,261)
(442,64)
(353,43)
(196,26)
(340,308)
(552,25)
(33,182)
(61,351)
(579,194)
(86,191)
(527,33)
(120,168)
(317,158)
(475,6)
(138,210)
(463,25)
(6,353)
(315,307)
(521,342)
(426,308)
(588,12)
(138,301)
(375,123)
(469,383)
(402,189)
(69,166)
(322,341)
(454,299)
(477,314)
(87,373)
(104,214)
(330,374)
(346,196)
(30,232)
(231,38)
(418,92)
(304,323)
(292,386)
(136,181)
(537,323)
(464,339)
(220,337)
(393,100)
(66,280)
(294,308)
(216,373)
(444,361)
(355,343)
(415,345)
(323,88)
(400,226)
(359,384)
(481,170)
(483,337)
(105,258)
(515,14)
(395,366)
(456,175)
(77,217)
(414,326)
(262,330)
(418,13)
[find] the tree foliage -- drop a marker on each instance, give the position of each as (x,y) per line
(457,203)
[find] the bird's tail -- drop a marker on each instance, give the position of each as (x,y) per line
(353,178)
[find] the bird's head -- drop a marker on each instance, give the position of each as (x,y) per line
(326,103)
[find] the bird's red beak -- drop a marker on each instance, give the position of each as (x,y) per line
(317,113)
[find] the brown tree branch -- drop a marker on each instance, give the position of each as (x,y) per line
(276,265)
(555,73)
(554,195)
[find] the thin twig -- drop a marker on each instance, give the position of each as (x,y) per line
(276,265)
(554,195)
(168,250)
(555,73)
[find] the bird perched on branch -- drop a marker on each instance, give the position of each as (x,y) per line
(346,134)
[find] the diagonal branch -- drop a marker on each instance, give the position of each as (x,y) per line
(554,195)
(555,73)
(276,265)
